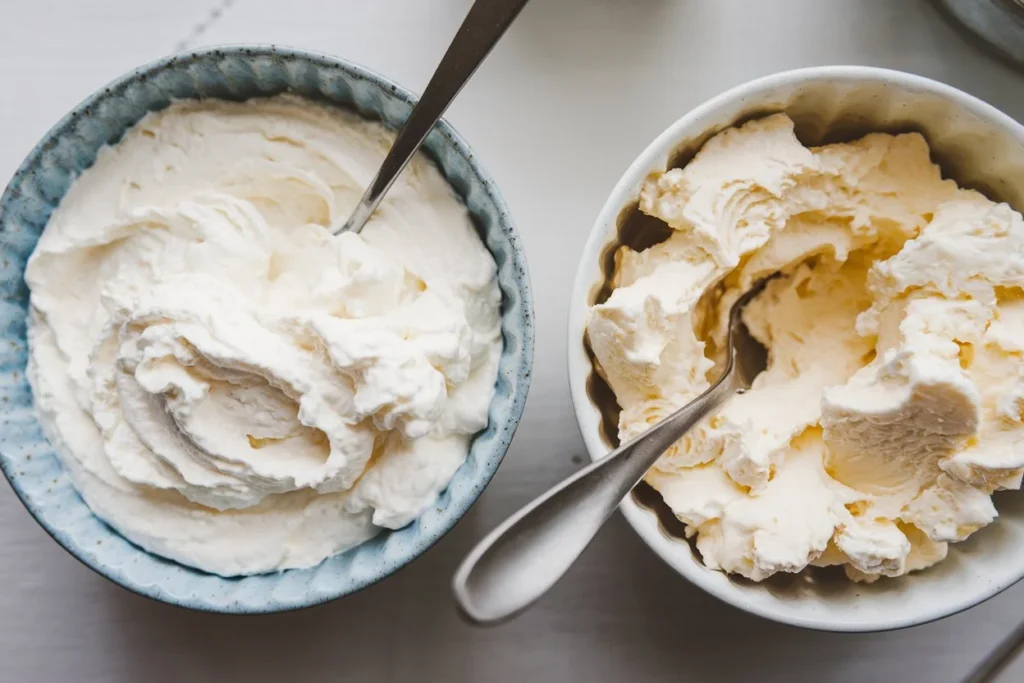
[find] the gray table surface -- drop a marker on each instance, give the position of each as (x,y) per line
(575,91)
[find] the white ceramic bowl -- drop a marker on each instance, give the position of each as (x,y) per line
(975,144)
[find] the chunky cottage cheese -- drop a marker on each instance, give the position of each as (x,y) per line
(893,401)
(229,384)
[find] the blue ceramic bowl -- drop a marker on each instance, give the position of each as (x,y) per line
(239,73)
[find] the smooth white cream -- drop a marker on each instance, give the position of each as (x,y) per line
(893,401)
(230,385)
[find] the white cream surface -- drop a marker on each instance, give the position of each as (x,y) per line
(230,385)
(892,406)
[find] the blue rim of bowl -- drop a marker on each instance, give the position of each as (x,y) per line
(524,370)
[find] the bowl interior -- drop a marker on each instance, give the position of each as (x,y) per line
(974,144)
(239,73)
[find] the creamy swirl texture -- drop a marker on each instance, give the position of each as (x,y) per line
(892,406)
(229,384)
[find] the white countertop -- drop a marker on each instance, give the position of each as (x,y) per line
(573,93)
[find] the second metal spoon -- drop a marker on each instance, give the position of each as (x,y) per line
(524,557)
(483,26)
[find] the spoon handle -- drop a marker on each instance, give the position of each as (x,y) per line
(1000,659)
(483,26)
(525,556)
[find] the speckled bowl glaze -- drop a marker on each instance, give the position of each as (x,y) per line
(974,143)
(239,73)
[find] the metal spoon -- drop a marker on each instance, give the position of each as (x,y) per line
(527,554)
(999,659)
(483,26)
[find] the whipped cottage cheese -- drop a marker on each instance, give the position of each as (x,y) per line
(230,385)
(892,406)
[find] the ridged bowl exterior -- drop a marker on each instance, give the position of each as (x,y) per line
(239,73)
(975,144)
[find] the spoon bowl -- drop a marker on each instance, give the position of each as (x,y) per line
(528,553)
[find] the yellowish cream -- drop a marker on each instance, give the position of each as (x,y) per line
(891,407)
